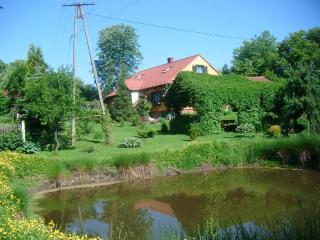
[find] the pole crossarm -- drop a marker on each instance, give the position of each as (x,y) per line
(78,4)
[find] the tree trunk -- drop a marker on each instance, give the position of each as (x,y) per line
(56,139)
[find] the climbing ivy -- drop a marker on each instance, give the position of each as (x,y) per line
(209,95)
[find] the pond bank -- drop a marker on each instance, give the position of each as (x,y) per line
(106,178)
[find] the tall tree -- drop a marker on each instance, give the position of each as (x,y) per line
(121,108)
(301,48)
(35,61)
(298,103)
(14,79)
(257,56)
(117,47)
(50,100)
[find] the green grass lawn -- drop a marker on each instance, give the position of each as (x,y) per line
(158,143)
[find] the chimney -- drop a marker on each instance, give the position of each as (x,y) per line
(170,59)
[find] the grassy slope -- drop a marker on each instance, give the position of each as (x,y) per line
(159,142)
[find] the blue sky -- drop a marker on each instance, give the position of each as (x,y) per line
(48,25)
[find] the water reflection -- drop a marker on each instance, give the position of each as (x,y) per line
(180,203)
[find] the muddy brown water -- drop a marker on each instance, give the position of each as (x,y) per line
(145,208)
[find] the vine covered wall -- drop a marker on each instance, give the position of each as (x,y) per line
(209,96)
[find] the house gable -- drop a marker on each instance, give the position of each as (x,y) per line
(201,61)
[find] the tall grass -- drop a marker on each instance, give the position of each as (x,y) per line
(300,151)
(132,159)
(21,193)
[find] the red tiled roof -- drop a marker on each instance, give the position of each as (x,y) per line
(259,79)
(157,76)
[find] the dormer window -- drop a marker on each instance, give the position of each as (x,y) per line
(138,76)
(166,70)
(199,69)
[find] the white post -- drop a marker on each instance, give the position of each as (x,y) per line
(23,130)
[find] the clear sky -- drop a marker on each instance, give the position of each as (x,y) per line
(48,25)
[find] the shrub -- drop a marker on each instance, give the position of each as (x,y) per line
(10,141)
(193,133)
(274,131)
(28,148)
(131,142)
(131,160)
(97,135)
(90,149)
(164,128)
(181,123)
(146,133)
(245,128)
(161,120)
(136,120)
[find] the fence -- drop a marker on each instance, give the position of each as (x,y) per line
(7,127)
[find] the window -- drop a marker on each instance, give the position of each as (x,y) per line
(200,69)
(156,98)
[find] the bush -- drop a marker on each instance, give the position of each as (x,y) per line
(28,148)
(90,149)
(146,133)
(131,142)
(245,128)
(136,120)
(181,123)
(164,128)
(10,141)
(97,135)
(274,131)
(131,160)
(193,133)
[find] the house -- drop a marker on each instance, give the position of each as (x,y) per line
(151,83)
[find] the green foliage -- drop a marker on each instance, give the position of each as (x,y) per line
(4,104)
(143,107)
(131,160)
(146,133)
(97,135)
(88,92)
(10,141)
(21,193)
(136,120)
(164,128)
(301,151)
(106,122)
(49,97)
(14,79)
(193,133)
(121,108)
(245,128)
(208,95)
(298,102)
(117,47)
(257,56)
(28,148)
(274,131)
(301,48)
(181,123)
(35,61)
(131,142)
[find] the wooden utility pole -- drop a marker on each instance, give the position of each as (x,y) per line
(75,35)
(79,13)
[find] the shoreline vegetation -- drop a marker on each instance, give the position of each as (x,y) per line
(20,172)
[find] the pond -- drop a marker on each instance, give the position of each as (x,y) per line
(184,202)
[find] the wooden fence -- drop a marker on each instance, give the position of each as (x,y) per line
(7,127)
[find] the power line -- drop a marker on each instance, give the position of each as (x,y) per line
(168,27)
(123,8)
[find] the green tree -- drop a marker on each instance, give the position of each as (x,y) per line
(49,98)
(88,91)
(257,56)
(14,79)
(143,107)
(302,47)
(122,108)
(35,61)
(298,103)
(226,69)
(117,47)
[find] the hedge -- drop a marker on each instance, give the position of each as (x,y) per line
(208,95)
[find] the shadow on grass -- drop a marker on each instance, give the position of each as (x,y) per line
(92,140)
